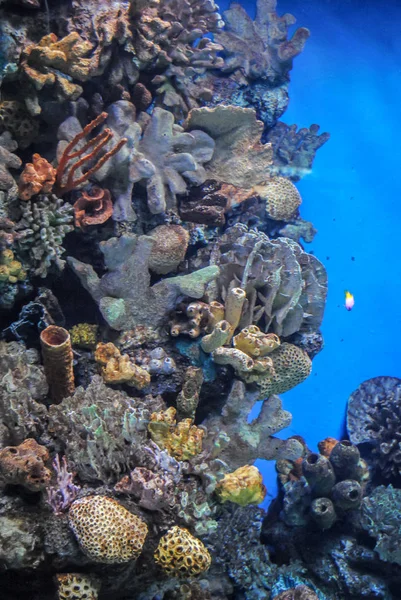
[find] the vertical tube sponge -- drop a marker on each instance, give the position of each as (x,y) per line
(57,360)
(233,307)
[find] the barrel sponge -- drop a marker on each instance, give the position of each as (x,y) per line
(77,586)
(291,366)
(181,554)
(105,530)
(169,248)
(282,198)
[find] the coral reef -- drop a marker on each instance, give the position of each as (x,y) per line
(139,148)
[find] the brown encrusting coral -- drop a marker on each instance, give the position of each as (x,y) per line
(25,465)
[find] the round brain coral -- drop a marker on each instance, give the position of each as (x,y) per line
(77,586)
(181,554)
(282,198)
(169,248)
(105,530)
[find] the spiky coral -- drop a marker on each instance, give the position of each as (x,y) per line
(42,228)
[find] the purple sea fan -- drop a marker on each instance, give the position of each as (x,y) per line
(61,497)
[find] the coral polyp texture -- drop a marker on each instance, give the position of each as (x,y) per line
(105,530)
(179,553)
(158,296)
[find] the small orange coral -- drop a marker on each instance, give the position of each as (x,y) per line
(25,465)
(93,208)
(37,177)
(326,446)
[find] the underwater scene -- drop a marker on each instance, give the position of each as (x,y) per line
(200,283)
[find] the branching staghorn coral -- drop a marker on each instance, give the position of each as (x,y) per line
(124,294)
(285,287)
(44,224)
(252,440)
(294,150)
(170,35)
(260,48)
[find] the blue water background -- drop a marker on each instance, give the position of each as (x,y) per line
(348,80)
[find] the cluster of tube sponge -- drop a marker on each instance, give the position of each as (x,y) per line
(257,357)
(336,478)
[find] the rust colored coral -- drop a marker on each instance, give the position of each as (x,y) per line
(93,208)
(84,155)
(37,177)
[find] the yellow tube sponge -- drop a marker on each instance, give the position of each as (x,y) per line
(244,486)
(180,554)
(240,361)
(233,306)
(254,342)
(219,336)
(182,440)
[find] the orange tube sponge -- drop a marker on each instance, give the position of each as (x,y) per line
(57,360)
(181,554)
(93,208)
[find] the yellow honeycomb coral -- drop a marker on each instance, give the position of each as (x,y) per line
(182,440)
(291,366)
(11,270)
(181,554)
(282,198)
(77,586)
(84,335)
(244,486)
(105,530)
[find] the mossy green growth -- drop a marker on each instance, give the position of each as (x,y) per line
(84,335)
(11,270)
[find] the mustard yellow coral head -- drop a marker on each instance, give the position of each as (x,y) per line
(244,486)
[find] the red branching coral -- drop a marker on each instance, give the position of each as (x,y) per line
(38,177)
(71,160)
(93,208)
